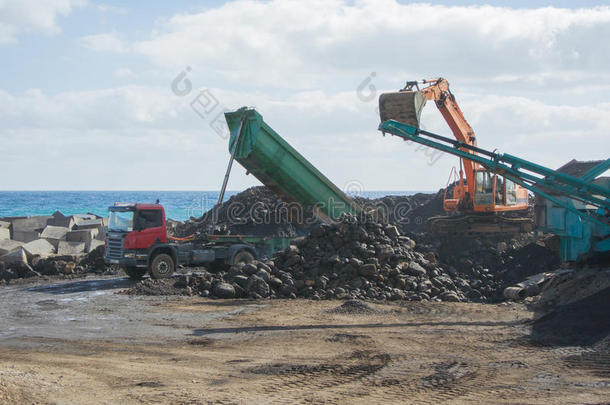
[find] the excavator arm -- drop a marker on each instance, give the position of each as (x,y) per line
(438,91)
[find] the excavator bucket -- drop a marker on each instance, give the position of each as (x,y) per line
(402,106)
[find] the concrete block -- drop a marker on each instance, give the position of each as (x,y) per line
(26,236)
(95,223)
(7,246)
(54,234)
(83,235)
(102,231)
(16,256)
(39,247)
(66,248)
(59,219)
(5,224)
(83,218)
(95,244)
(35,223)
(5,233)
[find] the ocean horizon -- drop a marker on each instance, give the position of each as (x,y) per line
(179,205)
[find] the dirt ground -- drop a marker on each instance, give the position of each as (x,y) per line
(80,342)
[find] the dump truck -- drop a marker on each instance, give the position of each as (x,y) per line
(137,237)
(137,241)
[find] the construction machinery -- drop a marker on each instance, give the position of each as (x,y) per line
(137,241)
(137,237)
(575,206)
(476,199)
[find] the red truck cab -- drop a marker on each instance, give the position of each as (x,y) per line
(133,229)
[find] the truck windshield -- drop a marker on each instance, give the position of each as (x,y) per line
(120,221)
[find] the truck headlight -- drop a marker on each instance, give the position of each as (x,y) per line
(129,255)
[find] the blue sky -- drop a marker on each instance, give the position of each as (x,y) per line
(86,100)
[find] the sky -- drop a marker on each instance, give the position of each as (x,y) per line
(114,95)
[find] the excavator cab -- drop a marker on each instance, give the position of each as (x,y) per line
(493,192)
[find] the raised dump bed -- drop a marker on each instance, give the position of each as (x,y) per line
(281,168)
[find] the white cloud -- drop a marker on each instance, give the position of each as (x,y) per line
(106,8)
(32,16)
(123,73)
(290,43)
(532,82)
(109,42)
(131,129)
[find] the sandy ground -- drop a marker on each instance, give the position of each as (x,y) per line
(79,342)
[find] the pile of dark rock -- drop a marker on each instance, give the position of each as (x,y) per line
(258,211)
(408,212)
(255,211)
(507,258)
(357,258)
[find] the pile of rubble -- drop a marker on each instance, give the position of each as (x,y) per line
(508,258)
(355,258)
(408,213)
(49,245)
(255,211)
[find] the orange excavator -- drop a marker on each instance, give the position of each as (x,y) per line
(476,200)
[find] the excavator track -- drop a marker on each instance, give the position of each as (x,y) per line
(469,224)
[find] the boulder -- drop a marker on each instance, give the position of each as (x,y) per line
(256,285)
(414,269)
(367,270)
(7,245)
(449,296)
(26,236)
(65,248)
(392,231)
(39,247)
(5,233)
(224,290)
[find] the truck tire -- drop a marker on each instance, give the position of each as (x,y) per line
(242,256)
(162,266)
(134,273)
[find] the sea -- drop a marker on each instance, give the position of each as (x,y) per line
(179,205)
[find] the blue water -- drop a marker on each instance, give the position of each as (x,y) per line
(179,205)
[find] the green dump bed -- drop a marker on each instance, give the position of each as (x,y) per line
(282,169)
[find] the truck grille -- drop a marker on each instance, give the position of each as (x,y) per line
(115,246)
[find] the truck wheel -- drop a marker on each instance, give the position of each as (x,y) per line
(162,266)
(134,273)
(243,256)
